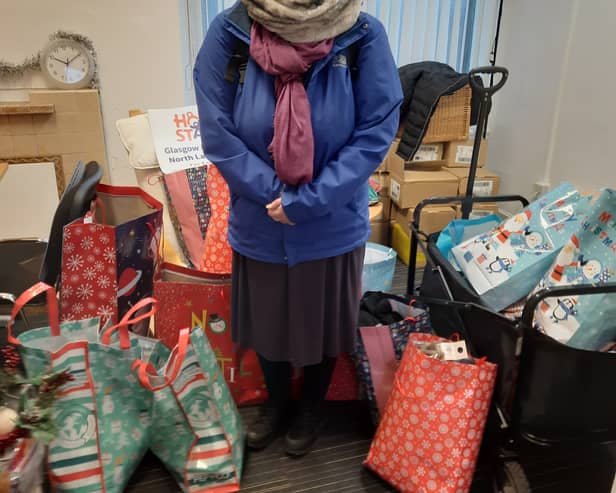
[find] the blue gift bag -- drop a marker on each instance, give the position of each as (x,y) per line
(589,257)
(506,263)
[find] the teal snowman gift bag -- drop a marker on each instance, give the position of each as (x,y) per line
(504,264)
(102,415)
(589,257)
(199,435)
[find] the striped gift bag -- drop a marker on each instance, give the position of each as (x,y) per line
(199,435)
(102,415)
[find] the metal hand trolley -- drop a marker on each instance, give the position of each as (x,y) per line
(546,393)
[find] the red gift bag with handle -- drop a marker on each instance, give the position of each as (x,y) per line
(110,255)
(430,434)
(192,298)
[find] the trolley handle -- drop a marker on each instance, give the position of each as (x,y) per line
(488,70)
(528,314)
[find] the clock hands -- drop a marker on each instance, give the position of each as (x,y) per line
(73,59)
(58,60)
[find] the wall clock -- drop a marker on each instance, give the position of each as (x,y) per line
(67,64)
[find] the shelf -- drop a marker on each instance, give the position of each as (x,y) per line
(26,109)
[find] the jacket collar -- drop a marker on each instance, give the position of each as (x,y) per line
(239,23)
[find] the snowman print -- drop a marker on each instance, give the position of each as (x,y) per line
(217,324)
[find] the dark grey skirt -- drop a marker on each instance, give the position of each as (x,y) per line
(297,314)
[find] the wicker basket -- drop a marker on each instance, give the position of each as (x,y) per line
(451,118)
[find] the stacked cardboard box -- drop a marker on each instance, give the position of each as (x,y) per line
(380,213)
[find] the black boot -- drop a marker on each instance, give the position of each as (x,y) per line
(263,430)
(304,431)
(305,428)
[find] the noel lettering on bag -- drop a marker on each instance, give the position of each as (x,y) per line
(218,326)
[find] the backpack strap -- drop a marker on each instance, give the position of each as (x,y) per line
(238,62)
(352,55)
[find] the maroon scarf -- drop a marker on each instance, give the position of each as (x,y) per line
(293,144)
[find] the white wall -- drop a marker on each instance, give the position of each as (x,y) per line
(554,120)
(533,37)
(141,54)
(586,127)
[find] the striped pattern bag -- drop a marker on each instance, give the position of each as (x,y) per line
(102,415)
(199,436)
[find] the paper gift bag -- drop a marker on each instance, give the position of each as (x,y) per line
(506,263)
(217,254)
(189,209)
(379,349)
(199,435)
(109,258)
(589,257)
(102,416)
(430,435)
(197,299)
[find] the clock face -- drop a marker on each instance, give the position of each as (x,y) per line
(67,64)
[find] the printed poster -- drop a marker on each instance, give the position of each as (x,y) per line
(177,138)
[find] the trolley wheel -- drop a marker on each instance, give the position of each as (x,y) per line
(513,478)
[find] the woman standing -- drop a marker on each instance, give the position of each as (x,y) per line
(298,106)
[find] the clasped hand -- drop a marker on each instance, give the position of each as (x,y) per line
(276,212)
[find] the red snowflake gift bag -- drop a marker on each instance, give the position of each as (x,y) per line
(217,253)
(109,256)
(192,298)
(430,434)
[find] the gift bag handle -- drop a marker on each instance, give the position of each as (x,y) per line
(123,325)
(176,360)
(53,312)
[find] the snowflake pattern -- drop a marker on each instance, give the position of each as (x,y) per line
(84,291)
(78,308)
(75,262)
(99,266)
(69,247)
(109,255)
(89,273)
(104,238)
(87,243)
(443,456)
(105,312)
(103,282)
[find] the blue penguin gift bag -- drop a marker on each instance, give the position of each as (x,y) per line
(589,257)
(507,262)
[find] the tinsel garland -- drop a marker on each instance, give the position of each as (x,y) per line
(32,63)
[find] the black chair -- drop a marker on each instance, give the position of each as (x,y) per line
(24,262)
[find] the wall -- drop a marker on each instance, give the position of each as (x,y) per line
(533,37)
(140,46)
(585,129)
(554,120)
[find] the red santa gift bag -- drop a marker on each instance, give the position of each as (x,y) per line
(109,256)
(197,299)
(430,434)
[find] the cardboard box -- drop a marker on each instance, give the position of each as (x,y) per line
(428,156)
(487,183)
(433,218)
(376,212)
(379,232)
(480,210)
(458,153)
(411,187)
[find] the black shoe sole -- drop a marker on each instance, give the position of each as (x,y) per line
(262,444)
(300,452)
